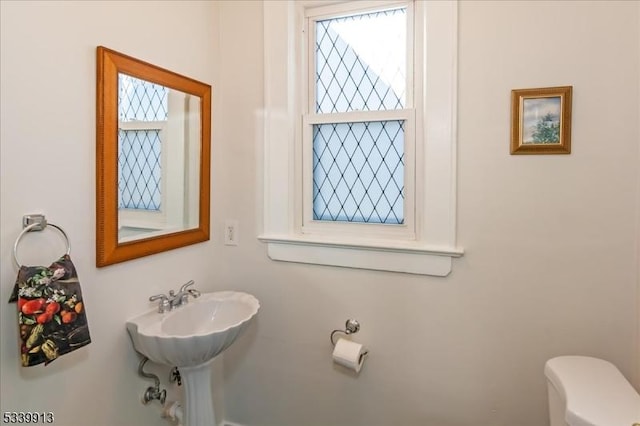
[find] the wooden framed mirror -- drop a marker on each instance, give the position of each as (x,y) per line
(153,134)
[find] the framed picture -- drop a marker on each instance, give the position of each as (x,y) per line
(541,120)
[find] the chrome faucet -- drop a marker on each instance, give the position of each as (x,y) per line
(168,303)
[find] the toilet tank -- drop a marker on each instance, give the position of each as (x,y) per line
(585,391)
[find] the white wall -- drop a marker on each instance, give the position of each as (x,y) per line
(550,266)
(48,78)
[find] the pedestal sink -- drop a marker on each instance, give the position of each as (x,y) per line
(189,337)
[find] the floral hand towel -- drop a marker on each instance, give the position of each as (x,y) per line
(51,312)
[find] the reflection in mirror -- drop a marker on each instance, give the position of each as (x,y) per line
(158,153)
(153,145)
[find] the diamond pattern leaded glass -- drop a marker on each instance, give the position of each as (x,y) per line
(139,169)
(140,100)
(358,167)
(139,151)
(358,172)
(361,62)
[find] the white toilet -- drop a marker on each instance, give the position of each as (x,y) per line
(586,391)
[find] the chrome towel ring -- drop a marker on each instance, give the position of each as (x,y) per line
(36,222)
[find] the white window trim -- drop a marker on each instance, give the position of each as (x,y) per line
(431,250)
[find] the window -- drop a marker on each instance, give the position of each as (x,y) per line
(142,120)
(354,176)
(356,119)
(142,116)
(139,169)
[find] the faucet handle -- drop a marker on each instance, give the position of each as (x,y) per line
(157,297)
(164,302)
(193,292)
(185,285)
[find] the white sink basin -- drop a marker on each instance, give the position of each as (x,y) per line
(195,333)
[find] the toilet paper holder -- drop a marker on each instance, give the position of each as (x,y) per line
(350,327)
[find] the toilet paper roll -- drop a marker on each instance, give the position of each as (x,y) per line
(349,354)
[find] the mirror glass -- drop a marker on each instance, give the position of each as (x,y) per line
(153,145)
(158,159)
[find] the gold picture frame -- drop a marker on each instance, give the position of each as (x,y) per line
(541,120)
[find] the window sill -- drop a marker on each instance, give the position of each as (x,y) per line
(397,256)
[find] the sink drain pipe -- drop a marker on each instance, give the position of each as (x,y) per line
(173,411)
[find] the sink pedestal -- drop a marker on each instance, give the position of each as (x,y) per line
(198,402)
